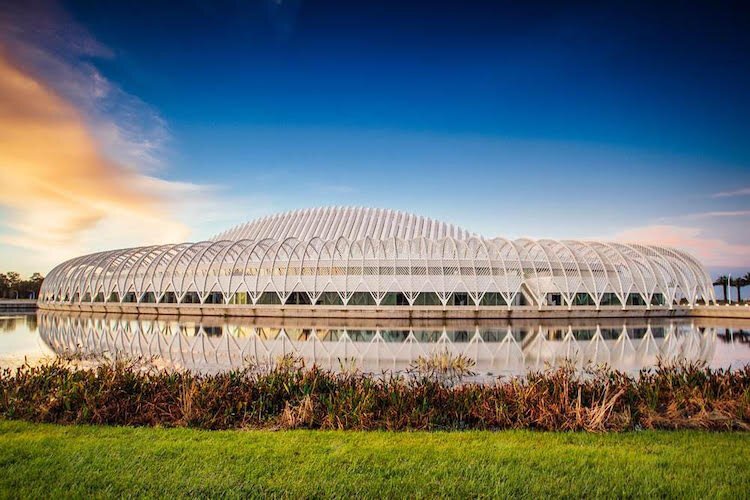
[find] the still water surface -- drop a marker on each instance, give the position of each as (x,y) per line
(498,348)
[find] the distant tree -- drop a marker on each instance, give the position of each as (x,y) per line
(738,283)
(13,278)
(12,286)
(723,282)
(33,285)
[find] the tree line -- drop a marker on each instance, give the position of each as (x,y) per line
(13,287)
(724,282)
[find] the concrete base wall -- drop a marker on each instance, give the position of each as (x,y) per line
(18,305)
(729,312)
(372,312)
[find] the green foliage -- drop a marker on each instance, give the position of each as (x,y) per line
(49,461)
(738,283)
(289,396)
(12,286)
(723,282)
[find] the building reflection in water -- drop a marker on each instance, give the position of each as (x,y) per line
(211,345)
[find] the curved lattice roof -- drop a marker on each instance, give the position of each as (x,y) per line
(353,223)
(355,253)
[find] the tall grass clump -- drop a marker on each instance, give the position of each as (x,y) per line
(433,395)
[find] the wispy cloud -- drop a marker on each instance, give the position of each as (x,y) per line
(49,46)
(709,215)
(78,155)
(711,251)
(736,192)
(55,179)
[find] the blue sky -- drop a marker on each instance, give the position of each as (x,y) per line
(621,121)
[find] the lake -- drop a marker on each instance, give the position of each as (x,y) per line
(497,348)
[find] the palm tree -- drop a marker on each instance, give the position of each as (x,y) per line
(723,281)
(738,283)
(745,281)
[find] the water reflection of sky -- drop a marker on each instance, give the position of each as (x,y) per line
(20,339)
(498,348)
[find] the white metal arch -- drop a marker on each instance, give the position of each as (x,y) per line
(379,252)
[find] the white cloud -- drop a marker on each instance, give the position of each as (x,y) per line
(708,215)
(78,155)
(711,251)
(736,192)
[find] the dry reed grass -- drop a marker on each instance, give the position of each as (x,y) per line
(288,395)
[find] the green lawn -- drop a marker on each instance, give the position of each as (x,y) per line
(49,460)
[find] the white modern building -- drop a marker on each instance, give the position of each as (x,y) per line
(340,258)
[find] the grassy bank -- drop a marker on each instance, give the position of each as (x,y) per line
(43,460)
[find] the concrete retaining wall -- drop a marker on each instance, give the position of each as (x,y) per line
(730,311)
(371,312)
(21,305)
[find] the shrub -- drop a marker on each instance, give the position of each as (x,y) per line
(288,395)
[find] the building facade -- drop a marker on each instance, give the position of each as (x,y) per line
(352,258)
